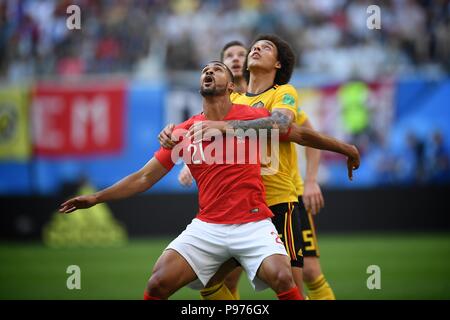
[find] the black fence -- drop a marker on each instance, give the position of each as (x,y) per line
(419,209)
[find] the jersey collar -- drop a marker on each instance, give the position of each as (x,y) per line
(248,94)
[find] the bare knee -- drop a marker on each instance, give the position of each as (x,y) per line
(158,286)
(311,269)
(231,281)
(283,280)
(231,284)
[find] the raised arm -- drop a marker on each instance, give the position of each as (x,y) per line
(310,138)
(135,183)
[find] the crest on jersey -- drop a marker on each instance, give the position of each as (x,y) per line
(289,100)
(259,104)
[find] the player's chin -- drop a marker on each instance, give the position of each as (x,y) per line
(207,91)
(253,62)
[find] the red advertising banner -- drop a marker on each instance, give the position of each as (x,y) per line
(78,120)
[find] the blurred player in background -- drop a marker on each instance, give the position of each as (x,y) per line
(269,92)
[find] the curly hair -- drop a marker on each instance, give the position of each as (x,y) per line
(286,57)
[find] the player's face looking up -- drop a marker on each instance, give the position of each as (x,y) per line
(263,54)
(234,58)
(215,80)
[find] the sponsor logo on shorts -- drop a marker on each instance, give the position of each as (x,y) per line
(277,237)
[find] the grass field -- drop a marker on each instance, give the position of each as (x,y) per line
(413,266)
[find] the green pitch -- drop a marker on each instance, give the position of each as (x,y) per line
(413,266)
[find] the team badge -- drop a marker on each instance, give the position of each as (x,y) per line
(288,99)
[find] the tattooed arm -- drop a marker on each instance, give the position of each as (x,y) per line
(279,119)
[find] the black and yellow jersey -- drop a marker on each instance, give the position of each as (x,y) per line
(281,187)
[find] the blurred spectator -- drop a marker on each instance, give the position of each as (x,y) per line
(438,159)
(417,156)
(330,37)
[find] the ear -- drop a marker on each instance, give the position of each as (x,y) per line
(278,65)
(231,87)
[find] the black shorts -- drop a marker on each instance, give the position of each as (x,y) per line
(309,239)
(287,221)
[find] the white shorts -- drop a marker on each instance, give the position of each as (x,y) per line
(206,246)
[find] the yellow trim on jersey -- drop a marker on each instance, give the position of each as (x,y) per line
(234,95)
(291,208)
(286,244)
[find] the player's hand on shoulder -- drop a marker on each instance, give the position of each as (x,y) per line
(185,177)
(80,202)
(312,197)
(353,161)
(164,137)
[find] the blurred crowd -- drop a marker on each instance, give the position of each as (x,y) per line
(329,36)
(419,161)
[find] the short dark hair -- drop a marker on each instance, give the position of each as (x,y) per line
(226,67)
(286,57)
(228,45)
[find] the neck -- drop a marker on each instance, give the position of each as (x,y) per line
(216,107)
(240,85)
(260,80)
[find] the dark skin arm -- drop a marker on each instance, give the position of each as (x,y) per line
(280,119)
(312,195)
(311,138)
(135,183)
(301,135)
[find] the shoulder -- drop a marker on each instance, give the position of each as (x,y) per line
(286,96)
(235,95)
(286,89)
(189,122)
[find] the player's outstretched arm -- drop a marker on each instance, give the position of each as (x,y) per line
(311,138)
(280,119)
(135,183)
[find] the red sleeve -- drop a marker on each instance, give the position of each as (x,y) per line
(163,155)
